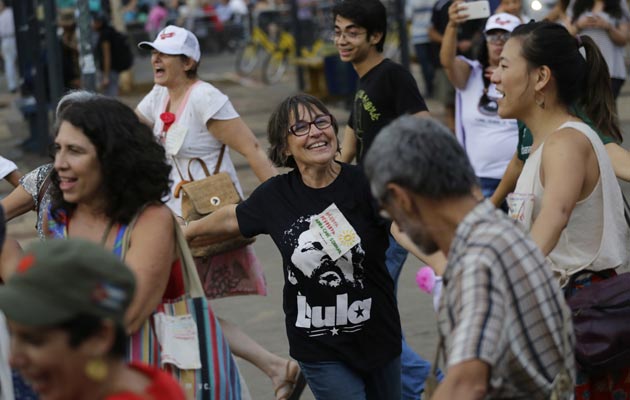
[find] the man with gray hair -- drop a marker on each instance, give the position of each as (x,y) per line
(503,322)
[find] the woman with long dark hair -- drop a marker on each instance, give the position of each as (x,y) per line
(576,214)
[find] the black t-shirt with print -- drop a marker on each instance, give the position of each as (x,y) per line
(384,93)
(342,310)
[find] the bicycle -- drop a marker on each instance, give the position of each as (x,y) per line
(275,64)
(248,56)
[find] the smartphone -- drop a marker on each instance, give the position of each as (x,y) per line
(476,9)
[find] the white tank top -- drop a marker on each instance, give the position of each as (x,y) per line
(596,236)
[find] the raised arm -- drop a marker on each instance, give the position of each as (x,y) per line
(457,70)
(237,135)
(150,256)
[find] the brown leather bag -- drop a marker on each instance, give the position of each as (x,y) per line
(205,196)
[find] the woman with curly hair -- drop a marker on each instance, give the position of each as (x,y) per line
(107,169)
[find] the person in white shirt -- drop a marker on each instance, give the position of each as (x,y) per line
(9,171)
(9,46)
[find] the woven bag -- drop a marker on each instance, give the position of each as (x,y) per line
(205,196)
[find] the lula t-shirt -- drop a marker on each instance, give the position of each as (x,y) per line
(343,310)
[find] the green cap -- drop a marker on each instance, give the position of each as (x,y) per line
(58,280)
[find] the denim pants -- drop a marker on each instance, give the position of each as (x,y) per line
(414,368)
(333,380)
(488,186)
(427,68)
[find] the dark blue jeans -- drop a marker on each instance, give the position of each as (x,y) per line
(428,70)
(488,186)
(333,380)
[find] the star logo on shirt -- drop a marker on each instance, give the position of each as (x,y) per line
(359,311)
(334,331)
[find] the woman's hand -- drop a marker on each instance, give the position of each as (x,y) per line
(457,13)
(219,224)
(457,71)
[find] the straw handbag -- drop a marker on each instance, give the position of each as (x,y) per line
(205,196)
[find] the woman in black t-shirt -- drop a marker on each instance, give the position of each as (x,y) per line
(340,311)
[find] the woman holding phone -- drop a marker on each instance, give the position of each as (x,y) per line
(489,140)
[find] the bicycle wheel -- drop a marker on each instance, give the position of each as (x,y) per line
(247,59)
(274,66)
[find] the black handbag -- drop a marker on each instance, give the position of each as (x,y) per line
(601,319)
(601,322)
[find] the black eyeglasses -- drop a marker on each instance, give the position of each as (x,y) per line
(302,128)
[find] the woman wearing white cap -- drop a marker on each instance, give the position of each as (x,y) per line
(193,119)
(489,140)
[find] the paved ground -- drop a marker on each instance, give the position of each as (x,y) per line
(262,318)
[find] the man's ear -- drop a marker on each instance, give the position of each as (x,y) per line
(402,197)
(375,37)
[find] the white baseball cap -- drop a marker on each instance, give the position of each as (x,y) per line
(174,40)
(504,21)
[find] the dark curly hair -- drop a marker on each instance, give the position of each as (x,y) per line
(280,120)
(134,165)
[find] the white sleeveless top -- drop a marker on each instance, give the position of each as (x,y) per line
(596,236)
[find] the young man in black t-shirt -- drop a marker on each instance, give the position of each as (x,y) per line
(386,90)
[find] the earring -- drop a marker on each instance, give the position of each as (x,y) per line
(540,102)
(96,369)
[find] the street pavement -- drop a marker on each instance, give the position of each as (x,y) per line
(260,317)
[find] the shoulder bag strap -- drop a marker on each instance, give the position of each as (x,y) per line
(203,166)
(178,114)
(218,166)
(189,270)
(179,171)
